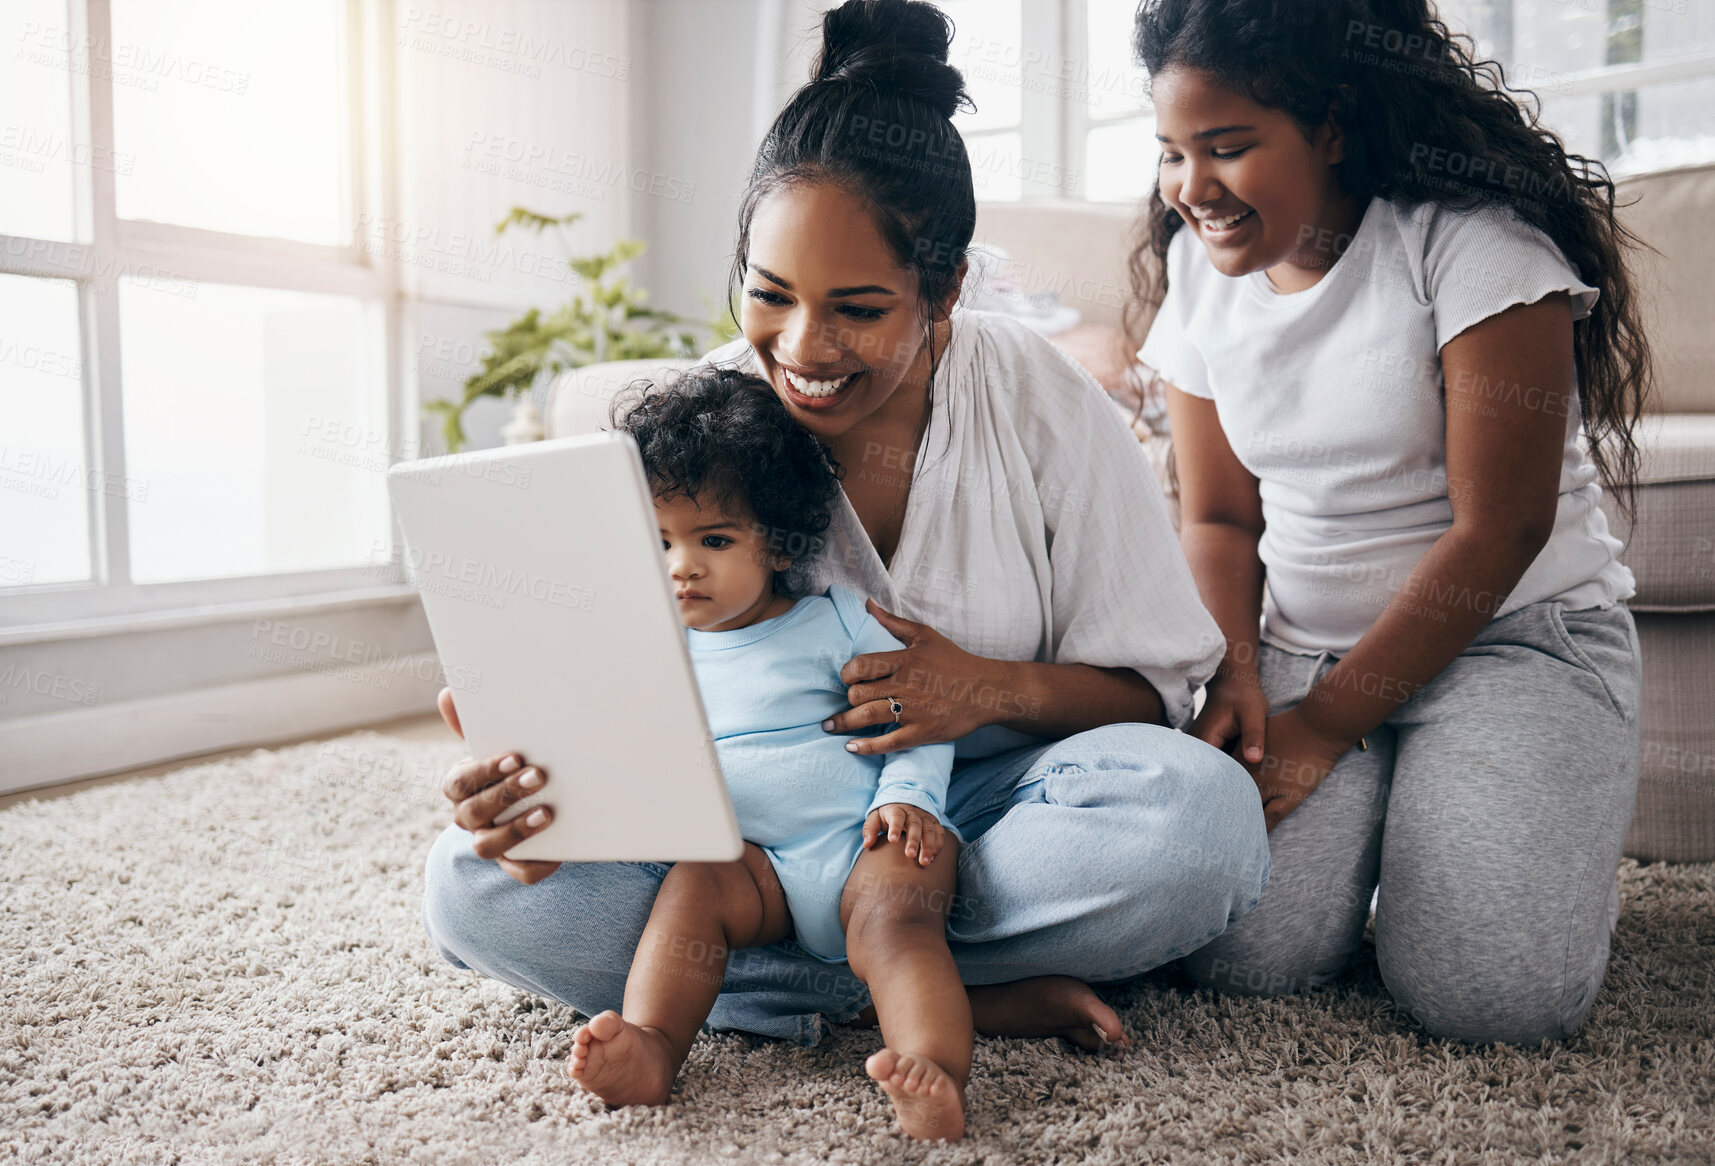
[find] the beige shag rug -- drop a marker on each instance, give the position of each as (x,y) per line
(225,965)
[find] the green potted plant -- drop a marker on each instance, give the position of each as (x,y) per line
(606,319)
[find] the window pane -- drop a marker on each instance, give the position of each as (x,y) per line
(1542,42)
(37,149)
(1653,128)
(997,168)
(1115,85)
(256,428)
(44,486)
(233,115)
(1120,161)
(987,50)
(1675,126)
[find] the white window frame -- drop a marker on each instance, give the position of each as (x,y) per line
(110,600)
(1042,22)
(1077,120)
(1051,127)
(1617,78)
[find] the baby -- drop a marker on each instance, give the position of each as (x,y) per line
(851,855)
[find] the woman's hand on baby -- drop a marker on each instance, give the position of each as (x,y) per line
(481,790)
(923,833)
(943,689)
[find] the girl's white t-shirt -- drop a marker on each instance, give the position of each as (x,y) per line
(1333,398)
(1034,530)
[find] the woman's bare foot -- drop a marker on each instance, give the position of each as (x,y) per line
(1047,1006)
(623,1064)
(930,1104)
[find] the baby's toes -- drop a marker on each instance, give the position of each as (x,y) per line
(882,1066)
(604,1025)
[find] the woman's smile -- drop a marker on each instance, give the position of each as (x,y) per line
(829,310)
(809,391)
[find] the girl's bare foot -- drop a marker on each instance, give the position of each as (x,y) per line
(623,1064)
(1048,1006)
(930,1104)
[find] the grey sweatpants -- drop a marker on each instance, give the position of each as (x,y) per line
(1490,809)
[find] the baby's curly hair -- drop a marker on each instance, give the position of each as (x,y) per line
(721,434)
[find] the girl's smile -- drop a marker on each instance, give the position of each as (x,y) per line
(1222,228)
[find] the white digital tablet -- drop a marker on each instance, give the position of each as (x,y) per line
(542,576)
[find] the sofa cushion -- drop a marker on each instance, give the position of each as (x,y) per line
(578,399)
(1675,816)
(1669,210)
(1671,550)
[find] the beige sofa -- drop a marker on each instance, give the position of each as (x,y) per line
(1079,252)
(1671,549)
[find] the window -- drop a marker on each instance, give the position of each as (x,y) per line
(1063,113)
(195,400)
(986,50)
(41,378)
(1630,82)
(1112,131)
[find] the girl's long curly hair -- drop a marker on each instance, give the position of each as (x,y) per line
(1425,120)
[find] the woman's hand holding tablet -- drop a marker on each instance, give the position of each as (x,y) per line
(481,790)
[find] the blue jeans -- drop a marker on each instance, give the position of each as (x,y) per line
(1100,856)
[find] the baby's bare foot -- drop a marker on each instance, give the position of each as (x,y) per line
(1048,1006)
(623,1064)
(930,1104)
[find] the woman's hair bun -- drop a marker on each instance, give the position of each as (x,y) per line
(898,46)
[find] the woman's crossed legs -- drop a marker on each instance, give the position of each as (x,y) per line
(1098,856)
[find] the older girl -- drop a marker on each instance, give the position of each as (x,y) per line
(1391,299)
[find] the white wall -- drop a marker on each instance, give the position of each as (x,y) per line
(502,103)
(693,134)
(661,154)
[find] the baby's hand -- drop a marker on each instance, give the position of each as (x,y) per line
(924,836)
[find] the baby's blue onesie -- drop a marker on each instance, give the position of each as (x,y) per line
(797,791)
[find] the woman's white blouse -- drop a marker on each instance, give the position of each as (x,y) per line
(1035,528)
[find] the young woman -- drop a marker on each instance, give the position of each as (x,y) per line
(1009,533)
(1388,300)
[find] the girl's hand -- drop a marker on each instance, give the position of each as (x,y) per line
(944,689)
(924,835)
(1297,760)
(1233,716)
(480,790)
